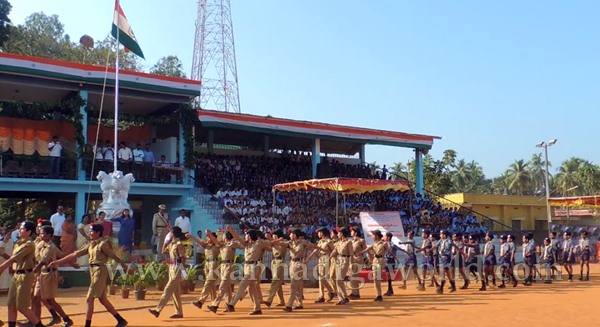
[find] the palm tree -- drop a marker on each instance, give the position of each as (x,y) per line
(476,175)
(568,176)
(537,171)
(519,179)
(461,176)
(589,179)
(449,158)
(399,171)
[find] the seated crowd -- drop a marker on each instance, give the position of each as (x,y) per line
(242,185)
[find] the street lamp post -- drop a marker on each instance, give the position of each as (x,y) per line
(547,179)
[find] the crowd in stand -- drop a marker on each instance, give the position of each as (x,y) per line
(243,184)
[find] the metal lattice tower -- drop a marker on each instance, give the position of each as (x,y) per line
(214,57)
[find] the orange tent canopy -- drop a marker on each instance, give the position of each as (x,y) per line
(343,185)
(576,201)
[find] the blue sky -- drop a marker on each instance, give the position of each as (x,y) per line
(492,78)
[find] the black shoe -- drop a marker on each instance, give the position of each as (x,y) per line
(320,300)
(255,313)
(300,307)
(347,300)
(66,323)
(55,320)
(212,308)
(268,304)
(354,296)
(176,316)
(388,293)
(230,308)
(198,304)
(342,302)
(502,286)
(287,309)
(331,297)
(378,299)
(155,313)
(122,323)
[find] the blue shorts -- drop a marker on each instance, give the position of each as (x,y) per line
(490,260)
(445,261)
(585,255)
(567,259)
(529,261)
(411,260)
(458,262)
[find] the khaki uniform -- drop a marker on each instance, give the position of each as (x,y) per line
(343,251)
(252,253)
(227,269)
(47,281)
(324,267)
(211,266)
(297,271)
(259,271)
(278,270)
(378,264)
(19,291)
(358,245)
(160,224)
(333,268)
(99,251)
(172,289)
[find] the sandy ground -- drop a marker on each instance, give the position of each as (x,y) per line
(558,304)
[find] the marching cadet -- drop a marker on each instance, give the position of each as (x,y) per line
(47,281)
(411,261)
(36,302)
(556,244)
(568,251)
(253,250)
(472,260)
(343,251)
(333,263)
(298,249)
(358,261)
(445,255)
(279,250)
(528,253)
(585,250)
(377,253)
(426,248)
(390,261)
(211,266)
(19,292)
(325,247)
(548,259)
(228,247)
(489,255)
(173,245)
(458,260)
(99,250)
(505,260)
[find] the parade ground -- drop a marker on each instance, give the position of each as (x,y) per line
(558,304)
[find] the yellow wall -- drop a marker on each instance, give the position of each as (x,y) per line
(503,208)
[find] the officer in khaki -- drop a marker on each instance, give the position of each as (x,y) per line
(298,248)
(253,249)
(343,252)
(228,247)
(377,253)
(211,266)
(333,262)
(176,251)
(324,248)
(160,225)
(358,245)
(19,292)
(277,268)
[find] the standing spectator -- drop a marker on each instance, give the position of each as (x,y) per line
(183,221)
(83,237)
(125,156)
(55,149)
(107,225)
(68,237)
(57,221)
(199,249)
(160,227)
(6,247)
(138,160)
(109,157)
(148,164)
(126,230)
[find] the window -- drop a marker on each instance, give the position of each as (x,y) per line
(541,225)
(516,224)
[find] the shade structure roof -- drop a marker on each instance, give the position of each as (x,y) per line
(576,201)
(343,185)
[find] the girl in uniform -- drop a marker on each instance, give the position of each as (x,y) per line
(411,261)
(458,260)
(505,260)
(585,250)
(489,255)
(528,254)
(426,248)
(568,254)
(548,259)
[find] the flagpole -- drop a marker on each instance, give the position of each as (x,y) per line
(116,119)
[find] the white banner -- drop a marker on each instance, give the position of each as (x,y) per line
(385,221)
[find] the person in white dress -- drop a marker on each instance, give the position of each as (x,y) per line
(83,236)
(6,247)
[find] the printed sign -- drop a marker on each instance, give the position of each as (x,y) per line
(385,221)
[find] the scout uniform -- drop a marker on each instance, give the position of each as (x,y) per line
(324,268)
(252,252)
(227,268)
(358,245)
(528,253)
(277,270)
(332,267)
(19,291)
(584,246)
(259,269)
(99,251)
(47,281)
(378,265)
(172,290)
(489,252)
(211,265)
(297,256)
(568,249)
(160,228)
(343,250)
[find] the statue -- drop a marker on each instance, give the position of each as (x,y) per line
(115,191)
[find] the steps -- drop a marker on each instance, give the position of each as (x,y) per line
(208,214)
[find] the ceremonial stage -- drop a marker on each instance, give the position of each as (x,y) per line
(538,305)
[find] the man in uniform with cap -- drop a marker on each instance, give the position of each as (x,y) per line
(325,247)
(343,251)
(377,253)
(358,261)
(160,227)
(390,261)
(279,250)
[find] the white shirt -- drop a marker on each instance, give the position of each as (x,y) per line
(138,155)
(109,153)
(99,152)
(56,149)
(125,154)
(184,223)
(57,221)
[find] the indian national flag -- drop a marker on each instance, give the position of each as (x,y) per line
(126,37)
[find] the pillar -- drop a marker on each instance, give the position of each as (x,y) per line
(419,170)
(211,141)
(266,145)
(181,156)
(79,206)
(83,94)
(316,156)
(361,154)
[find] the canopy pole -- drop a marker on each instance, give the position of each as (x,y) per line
(344,201)
(337,203)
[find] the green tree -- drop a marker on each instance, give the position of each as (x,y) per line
(519,179)
(589,179)
(5,8)
(449,158)
(168,66)
(569,175)
(537,172)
